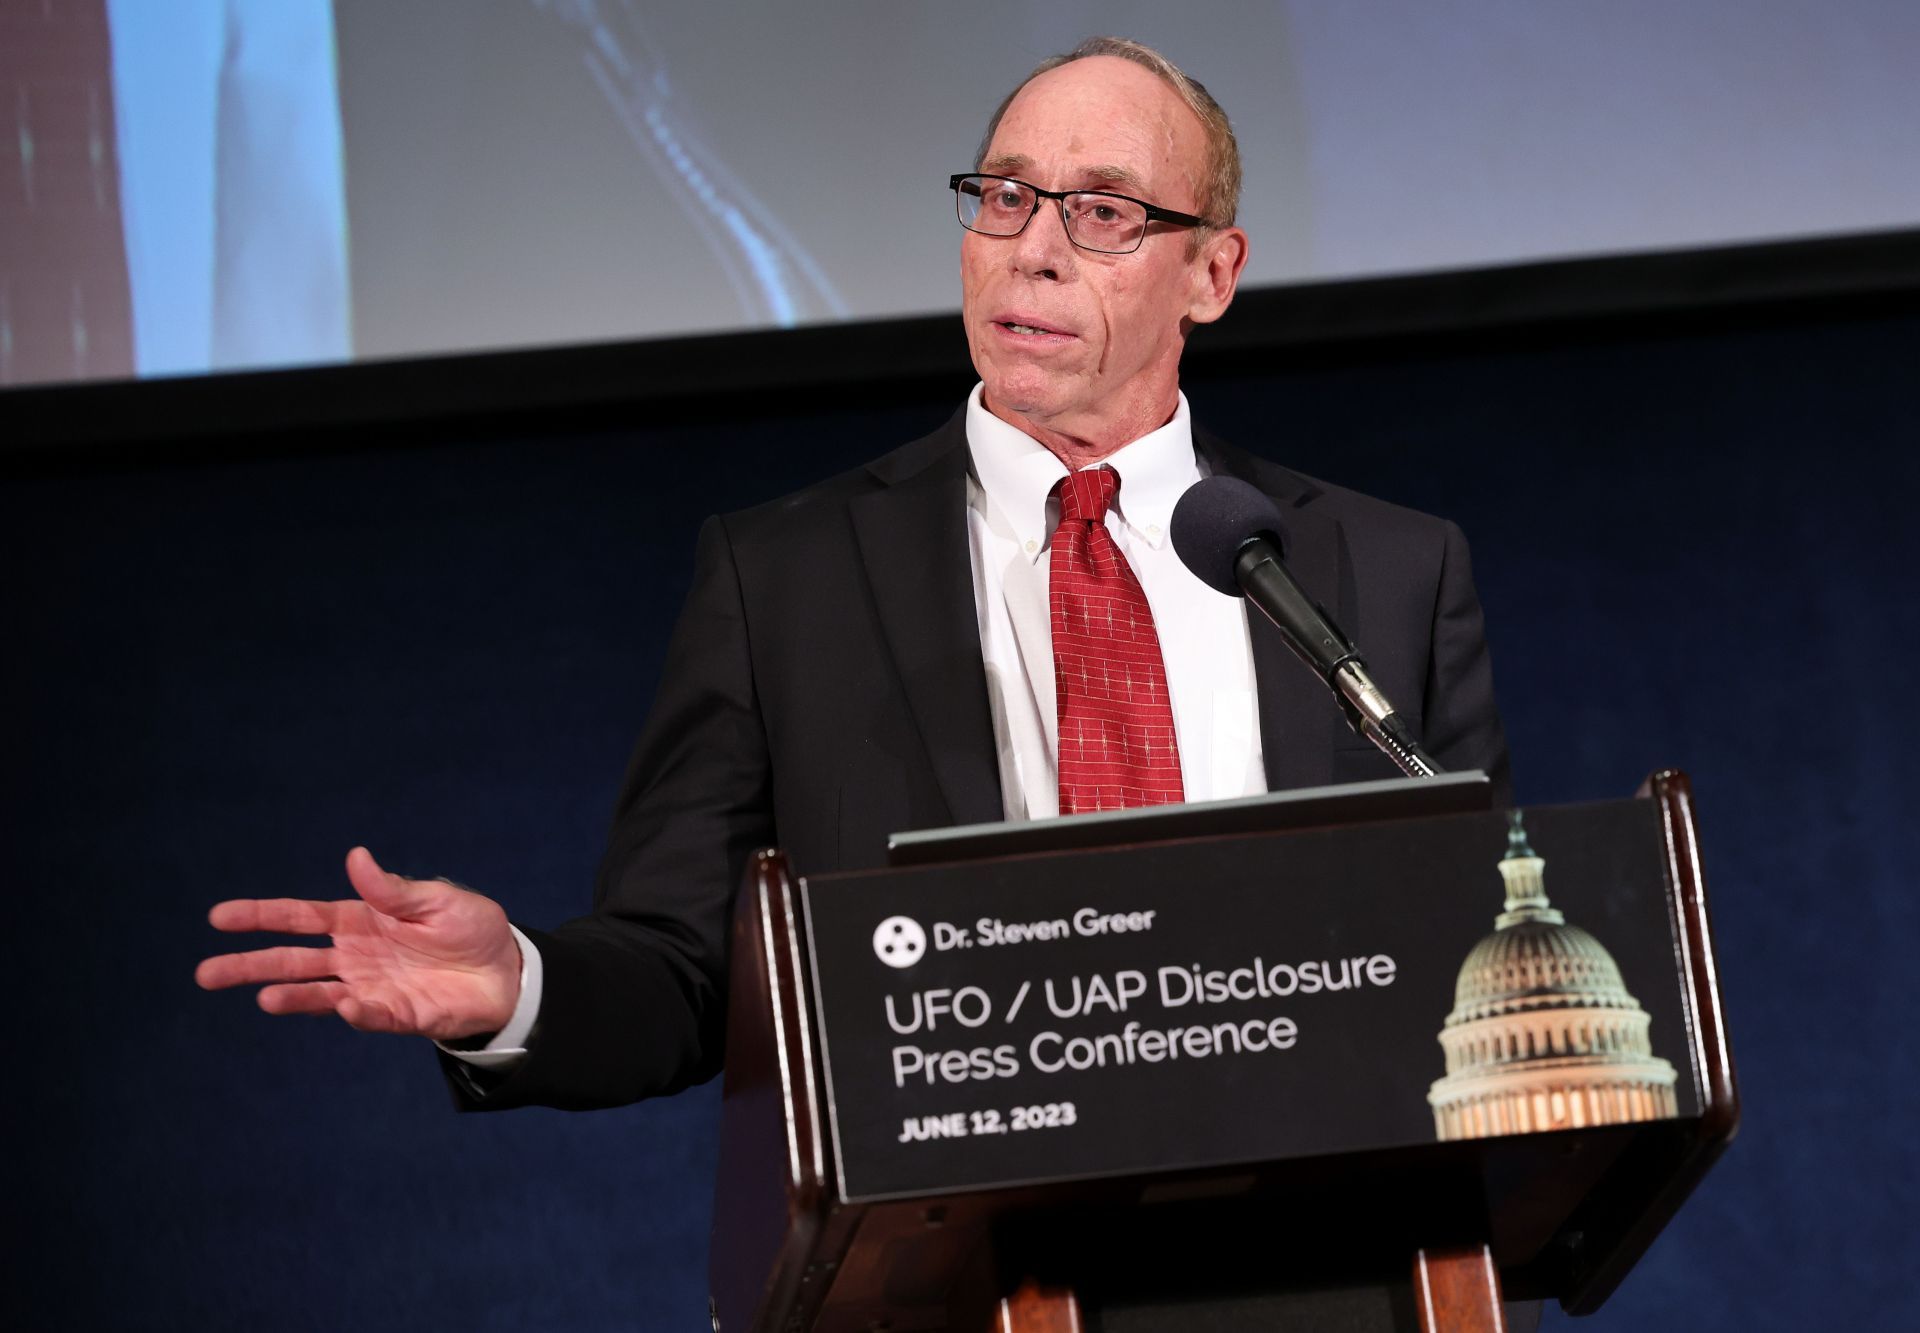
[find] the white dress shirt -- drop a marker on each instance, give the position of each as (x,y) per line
(1203,635)
(1010,522)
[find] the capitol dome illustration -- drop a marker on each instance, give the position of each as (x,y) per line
(1543,1034)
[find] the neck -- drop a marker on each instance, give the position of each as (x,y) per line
(1080,445)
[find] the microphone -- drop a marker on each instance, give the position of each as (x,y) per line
(1231,536)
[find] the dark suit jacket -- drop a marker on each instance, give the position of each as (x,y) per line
(824,688)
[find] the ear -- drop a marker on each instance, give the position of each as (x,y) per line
(1216,274)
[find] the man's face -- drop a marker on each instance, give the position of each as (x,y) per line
(1103,369)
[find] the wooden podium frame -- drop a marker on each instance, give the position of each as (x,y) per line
(789,1253)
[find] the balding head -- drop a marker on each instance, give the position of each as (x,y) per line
(1217,180)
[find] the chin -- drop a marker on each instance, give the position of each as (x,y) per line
(1031,394)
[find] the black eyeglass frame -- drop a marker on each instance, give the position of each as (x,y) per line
(1155,213)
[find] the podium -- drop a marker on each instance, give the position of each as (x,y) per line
(1375,1056)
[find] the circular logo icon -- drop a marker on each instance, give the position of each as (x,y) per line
(898,941)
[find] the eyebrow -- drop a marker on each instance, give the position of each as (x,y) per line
(1012,164)
(1115,176)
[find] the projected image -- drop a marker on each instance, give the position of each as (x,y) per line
(771,276)
(180,204)
(232,194)
(213,185)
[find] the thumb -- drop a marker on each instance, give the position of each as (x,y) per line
(388,894)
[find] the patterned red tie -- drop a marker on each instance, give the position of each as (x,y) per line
(1117,746)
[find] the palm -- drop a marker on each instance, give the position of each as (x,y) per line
(414,956)
(427,974)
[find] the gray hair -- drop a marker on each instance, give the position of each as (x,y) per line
(1219,184)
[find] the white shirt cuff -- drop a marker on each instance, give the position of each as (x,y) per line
(509,1045)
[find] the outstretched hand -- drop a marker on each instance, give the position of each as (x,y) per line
(423,957)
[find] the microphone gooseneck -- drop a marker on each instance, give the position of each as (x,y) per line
(1231,537)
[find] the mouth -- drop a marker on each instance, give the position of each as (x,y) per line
(1028,329)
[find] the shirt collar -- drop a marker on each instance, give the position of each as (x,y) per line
(1017,472)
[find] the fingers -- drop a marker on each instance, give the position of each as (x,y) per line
(288,916)
(310,997)
(281,964)
(369,1017)
(388,894)
(331,997)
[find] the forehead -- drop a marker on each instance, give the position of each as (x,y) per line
(1102,120)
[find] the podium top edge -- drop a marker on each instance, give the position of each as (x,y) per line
(1467,792)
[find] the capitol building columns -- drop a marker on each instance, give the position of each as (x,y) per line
(1543,1034)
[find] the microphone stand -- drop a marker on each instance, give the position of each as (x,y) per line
(1378,722)
(1332,655)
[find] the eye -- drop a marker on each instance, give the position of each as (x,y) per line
(1003,197)
(1100,213)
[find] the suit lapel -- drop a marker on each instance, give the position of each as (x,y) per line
(1300,721)
(914,543)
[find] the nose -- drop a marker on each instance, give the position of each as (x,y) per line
(1042,249)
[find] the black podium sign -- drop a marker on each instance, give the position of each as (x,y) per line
(1056,1017)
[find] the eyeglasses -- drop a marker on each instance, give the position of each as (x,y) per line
(1112,224)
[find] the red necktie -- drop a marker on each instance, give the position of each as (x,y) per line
(1117,746)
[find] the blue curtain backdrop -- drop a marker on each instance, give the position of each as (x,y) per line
(1695,549)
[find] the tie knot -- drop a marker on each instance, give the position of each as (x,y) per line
(1088,494)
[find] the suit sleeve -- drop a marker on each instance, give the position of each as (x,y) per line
(1463,728)
(634,992)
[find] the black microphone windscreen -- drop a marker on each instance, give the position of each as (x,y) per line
(1213,520)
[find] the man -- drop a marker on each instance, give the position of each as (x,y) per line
(911,645)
